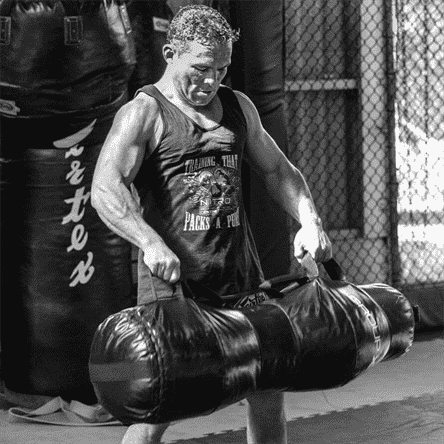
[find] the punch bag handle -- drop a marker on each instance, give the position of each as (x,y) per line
(157,289)
(334,270)
(197,291)
(189,288)
(289,281)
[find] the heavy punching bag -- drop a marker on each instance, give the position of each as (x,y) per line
(174,358)
(65,67)
(149,22)
(63,55)
(257,69)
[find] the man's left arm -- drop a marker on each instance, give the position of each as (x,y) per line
(286,184)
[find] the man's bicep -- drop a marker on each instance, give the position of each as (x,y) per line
(261,151)
(125,146)
(261,155)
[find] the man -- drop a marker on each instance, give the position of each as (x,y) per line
(168,147)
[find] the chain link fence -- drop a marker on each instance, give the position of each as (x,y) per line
(420,139)
(364,101)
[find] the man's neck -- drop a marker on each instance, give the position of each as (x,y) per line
(206,116)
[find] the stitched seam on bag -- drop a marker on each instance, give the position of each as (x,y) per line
(152,336)
(220,345)
(338,302)
(259,348)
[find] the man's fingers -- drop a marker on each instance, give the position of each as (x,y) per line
(316,243)
(163,263)
(298,250)
(175,275)
(171,273)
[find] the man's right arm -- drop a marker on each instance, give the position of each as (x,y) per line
(136,126)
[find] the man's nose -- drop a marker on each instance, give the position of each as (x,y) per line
(212,77)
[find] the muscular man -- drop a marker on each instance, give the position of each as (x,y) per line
(156,185)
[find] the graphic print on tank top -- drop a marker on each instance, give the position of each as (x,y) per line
(212,186)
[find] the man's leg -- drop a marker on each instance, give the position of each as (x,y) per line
(266,421)
(144,433)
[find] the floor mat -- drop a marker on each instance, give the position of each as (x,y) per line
(399,401)
(415,420)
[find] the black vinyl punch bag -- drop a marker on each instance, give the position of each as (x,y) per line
(65,67)
(63,55)
(149,21)
(257,69)
(177,358)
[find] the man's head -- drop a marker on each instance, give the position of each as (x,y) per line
(201,24)
(198,53)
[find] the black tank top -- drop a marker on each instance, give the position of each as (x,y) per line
(191,193)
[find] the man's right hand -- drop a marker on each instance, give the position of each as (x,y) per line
(162,262)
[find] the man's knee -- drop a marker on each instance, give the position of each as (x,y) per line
(144,433)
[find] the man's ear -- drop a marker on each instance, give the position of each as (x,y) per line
(168,52)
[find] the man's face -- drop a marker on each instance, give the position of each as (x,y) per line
(199,70)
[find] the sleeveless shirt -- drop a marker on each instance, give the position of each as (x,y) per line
(191,194)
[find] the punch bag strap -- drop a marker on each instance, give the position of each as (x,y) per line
(155,289)
(5,22)
(73,27)
(199,292)
(5,30)
(289,282)
(334,270)
(63,413)
(73,20)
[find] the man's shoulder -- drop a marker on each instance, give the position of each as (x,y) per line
(241,97)
(141,107)
(227,93)
(144,101)
(140,117)
(246,105)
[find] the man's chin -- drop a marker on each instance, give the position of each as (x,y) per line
(203,99)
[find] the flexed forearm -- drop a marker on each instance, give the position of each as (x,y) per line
(120,210)
(290,189)
(287,186)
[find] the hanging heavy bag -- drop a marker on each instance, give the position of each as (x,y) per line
(62,270)
(149,22)
(60,56)
(64,72)
(175,358)
(257,69)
